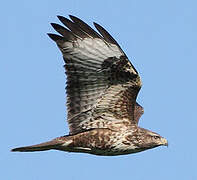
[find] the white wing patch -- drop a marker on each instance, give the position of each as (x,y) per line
(95,50)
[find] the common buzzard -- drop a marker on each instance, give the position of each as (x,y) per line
(102,87)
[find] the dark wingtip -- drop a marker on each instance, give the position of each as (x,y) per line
(106,35)
(96,25)
(71,16)
(54,37)
(74,18)
(54,25)
(60,17)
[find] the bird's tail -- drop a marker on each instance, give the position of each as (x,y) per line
(53,144)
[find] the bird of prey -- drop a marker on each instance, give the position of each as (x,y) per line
(102,87)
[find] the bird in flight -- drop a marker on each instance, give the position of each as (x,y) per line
(102,87)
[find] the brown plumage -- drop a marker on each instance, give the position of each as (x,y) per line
(102,87)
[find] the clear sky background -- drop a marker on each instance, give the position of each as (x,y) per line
(160,39)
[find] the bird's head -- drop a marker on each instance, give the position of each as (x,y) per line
(151,139)
(145,139)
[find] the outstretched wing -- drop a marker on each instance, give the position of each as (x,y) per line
(102,84)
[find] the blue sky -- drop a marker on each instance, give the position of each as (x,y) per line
(159,38)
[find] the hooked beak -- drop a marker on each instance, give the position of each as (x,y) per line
(164,142)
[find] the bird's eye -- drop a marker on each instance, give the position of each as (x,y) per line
(156,137)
